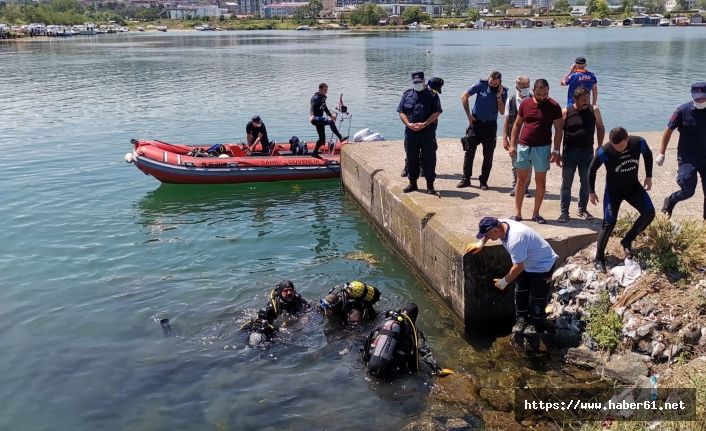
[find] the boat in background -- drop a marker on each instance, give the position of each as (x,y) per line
(664,22)
(303,27)
(162,28)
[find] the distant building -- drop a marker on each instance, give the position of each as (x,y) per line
(435,10)
(519,3)
(282,10)
(186,11)
(518,12)
(578,10)
(671,4)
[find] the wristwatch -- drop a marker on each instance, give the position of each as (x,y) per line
(555,152)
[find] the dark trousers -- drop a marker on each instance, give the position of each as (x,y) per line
(613,197)
(531,291)
(575,159)
(424,141)
(687,179)
(321,123)
(483,133)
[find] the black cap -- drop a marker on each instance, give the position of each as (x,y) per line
(417,77)
(411,310)
(435,84)
(580,60)
(486,225)
(698,90)
(256,119)
(285,284)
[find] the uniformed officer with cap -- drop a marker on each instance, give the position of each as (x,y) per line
(435,85)
(491,97)
(419,109)
(690,120)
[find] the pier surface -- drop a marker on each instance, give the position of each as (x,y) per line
(432,232)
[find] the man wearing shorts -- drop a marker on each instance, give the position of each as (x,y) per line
(533,149)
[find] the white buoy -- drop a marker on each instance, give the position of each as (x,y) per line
(128,157)
(428,51)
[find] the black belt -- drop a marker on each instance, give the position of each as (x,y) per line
(485,122)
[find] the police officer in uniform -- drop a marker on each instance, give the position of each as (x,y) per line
(690,119)
(434,84)
(491,97)
(419,109)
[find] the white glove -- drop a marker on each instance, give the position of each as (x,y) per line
(500,283)
(660,160)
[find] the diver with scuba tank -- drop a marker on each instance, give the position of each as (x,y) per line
(283,300)
(395,345)
(352,303)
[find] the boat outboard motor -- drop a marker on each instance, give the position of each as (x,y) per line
(358,137)
(383,346)
(373,137)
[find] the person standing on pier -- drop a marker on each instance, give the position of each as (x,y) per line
(577,77)
(531,145)
(522,85)
(621,157)
(317,118)
(419,108)
(581,121)
(690,120)
(482,125)
(533,261)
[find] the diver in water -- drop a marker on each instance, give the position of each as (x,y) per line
(283,300)
(352,303)
(395,345)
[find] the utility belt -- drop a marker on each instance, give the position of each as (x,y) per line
(484,123)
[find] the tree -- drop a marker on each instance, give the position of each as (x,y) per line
(562,6)
(626,6)
(602,9)
(414,14)
(65,6)
(367,14)
(315,7)
(581,3)
(700,4)
(683,5)
(473,14)
(591,7)
(12,14)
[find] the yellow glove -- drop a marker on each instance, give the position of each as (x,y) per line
(444,372)
(500,283)
(475,248)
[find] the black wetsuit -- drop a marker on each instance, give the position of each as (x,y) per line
(317,110)
(267,315)
(622,184)
(407,355)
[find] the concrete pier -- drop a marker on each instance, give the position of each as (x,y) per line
(432,232)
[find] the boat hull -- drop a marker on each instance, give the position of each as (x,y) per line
(169,163)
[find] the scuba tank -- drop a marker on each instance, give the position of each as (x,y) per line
(383,346)
(361,291)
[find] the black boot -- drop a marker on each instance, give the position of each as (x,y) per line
(668,207)
(430,187)
(411,187)
(603,237)
(404,172)
(627,247)
(465,182)
(315,153)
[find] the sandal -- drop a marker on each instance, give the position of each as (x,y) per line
(516,218)
(563,218)
(539,219)
(585,215)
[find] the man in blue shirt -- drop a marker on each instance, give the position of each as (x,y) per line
(577,77)
(533,261)
(690,119)
(419,109)
(491,97)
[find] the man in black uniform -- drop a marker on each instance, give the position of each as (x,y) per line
(257,134)
(434,84)
(316,116)
(622,159)
(283,300)
(387,358)
(419,108)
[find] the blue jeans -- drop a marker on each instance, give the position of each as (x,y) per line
(573,159)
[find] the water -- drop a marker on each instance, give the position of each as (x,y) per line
(92,250)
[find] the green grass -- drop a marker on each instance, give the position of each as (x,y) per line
(602,324)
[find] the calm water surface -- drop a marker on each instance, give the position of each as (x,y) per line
(92,250)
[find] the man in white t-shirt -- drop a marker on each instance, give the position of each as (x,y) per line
(533,262)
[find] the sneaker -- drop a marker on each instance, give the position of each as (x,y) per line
(343,139)
(599,264)
(512,192)
(528,194)
(483,186)
(465,182)
(667,207)
(520,325)
(531,329)
(411,187)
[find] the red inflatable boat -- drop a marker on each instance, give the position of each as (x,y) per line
(171,163)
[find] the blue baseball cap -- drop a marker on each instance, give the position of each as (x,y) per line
(486,225)
(256,119)
(698,90)
(435,83)
(417,77)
